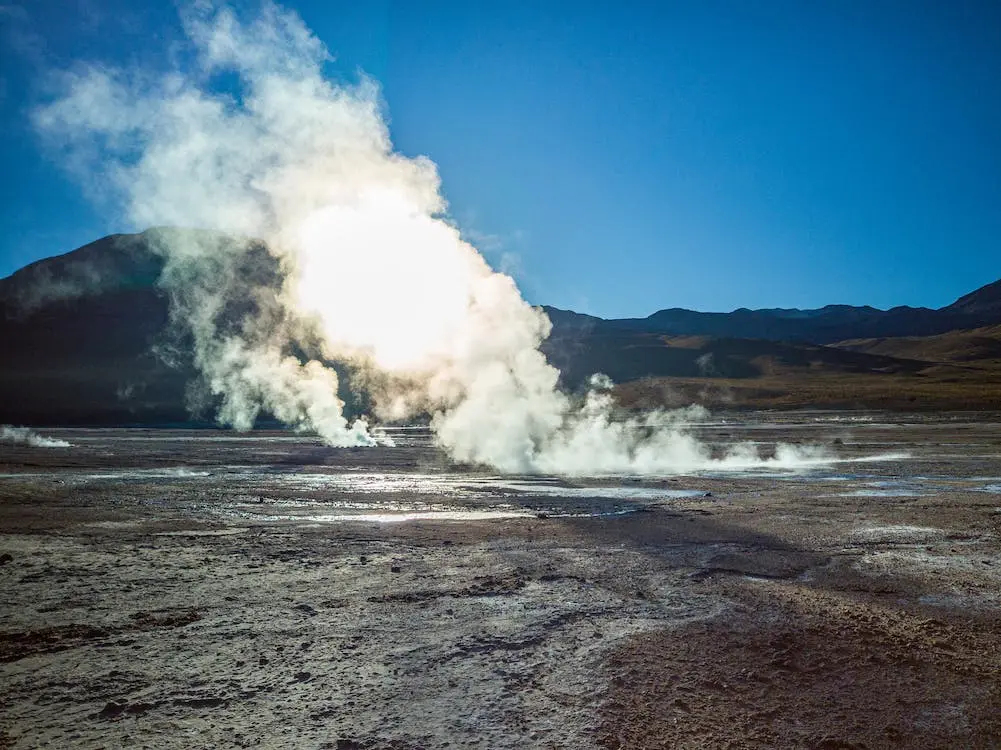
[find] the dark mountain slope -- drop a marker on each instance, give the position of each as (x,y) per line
(87,338)
(980,344)
(985,301)
(90,360)
(627,356)
(79,332)
(112,264)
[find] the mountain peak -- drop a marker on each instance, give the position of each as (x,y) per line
(985,300)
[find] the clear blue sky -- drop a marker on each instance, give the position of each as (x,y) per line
(625,157)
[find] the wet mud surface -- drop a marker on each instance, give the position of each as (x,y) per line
(198,589)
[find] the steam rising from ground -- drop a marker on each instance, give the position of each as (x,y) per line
(24,436)
(359,263)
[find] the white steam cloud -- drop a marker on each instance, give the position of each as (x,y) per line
(358,265)
(24,436)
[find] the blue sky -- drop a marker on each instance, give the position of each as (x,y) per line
(619,158)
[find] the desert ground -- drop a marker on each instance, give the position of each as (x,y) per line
(201,589)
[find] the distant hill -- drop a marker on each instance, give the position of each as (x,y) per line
(625,356)
(78,333)
(825,325)
(752,373)
(85,340)
(979,344)
(984,302)
(836,356)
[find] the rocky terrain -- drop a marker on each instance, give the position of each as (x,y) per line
(202,589)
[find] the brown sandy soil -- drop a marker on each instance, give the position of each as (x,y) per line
(857,605)
(794,667)
(935,388)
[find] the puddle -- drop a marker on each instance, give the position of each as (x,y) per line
(231,531)
(883,493)
(598,492)
(433,515)
(419,515)
(179,472)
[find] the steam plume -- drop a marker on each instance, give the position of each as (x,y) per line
(359,263)
(24,436)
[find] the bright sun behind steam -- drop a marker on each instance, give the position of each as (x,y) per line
(386,281)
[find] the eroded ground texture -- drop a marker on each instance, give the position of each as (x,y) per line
(201,589)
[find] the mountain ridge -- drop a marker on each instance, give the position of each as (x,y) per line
(129,260)
(824,325)
(86,336)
